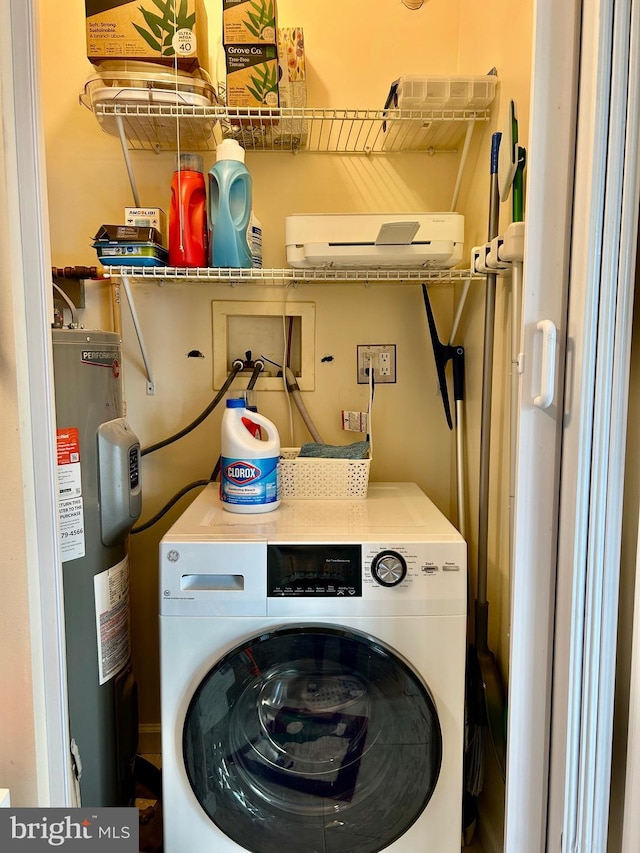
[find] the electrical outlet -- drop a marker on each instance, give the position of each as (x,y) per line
(381,358)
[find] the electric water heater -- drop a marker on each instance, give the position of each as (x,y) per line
(99,500)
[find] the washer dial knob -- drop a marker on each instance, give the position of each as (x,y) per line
(388,568)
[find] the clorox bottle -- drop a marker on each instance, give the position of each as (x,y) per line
(249,472)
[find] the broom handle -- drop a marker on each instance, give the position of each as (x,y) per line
(487,388)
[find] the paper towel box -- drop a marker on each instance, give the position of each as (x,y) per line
(121,29)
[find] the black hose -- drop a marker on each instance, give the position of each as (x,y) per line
(153,447)
(165,509)
(252,381)
(257,370)
(216,470)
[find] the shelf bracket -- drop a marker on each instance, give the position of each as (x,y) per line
(151,385)
(127,160)
(463,160)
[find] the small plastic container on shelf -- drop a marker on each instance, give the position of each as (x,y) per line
(417,92)
(133,84)
(132,254)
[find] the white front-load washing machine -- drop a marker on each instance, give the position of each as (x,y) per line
(312,677)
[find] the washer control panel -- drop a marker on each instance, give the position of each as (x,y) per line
(314,570)
(353,570)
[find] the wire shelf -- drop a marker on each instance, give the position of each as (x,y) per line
(286,277)
(159,127)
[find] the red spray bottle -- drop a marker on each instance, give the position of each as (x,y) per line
(188,232)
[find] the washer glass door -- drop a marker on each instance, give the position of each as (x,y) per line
(312,738)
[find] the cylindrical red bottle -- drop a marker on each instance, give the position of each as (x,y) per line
(188,237)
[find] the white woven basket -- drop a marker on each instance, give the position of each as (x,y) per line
(310,478)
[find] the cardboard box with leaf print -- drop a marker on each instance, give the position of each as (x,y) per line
(249,22)
(170,32)
(252,75)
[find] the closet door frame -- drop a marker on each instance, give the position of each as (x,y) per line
(30,265)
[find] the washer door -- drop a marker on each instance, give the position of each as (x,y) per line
(312,738)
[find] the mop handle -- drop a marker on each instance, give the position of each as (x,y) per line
(487,381)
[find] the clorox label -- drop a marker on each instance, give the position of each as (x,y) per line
(249,483)
(243,473)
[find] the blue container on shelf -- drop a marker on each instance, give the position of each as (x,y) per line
(230,199)
(130,245)
(132,255)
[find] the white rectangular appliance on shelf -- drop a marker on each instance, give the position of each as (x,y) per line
(374,240)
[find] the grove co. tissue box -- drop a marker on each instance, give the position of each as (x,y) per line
(252,75)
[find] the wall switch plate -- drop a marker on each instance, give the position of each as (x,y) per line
(381,358)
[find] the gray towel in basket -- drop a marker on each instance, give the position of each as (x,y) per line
(357,450)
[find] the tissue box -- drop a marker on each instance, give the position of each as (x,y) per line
(292,88)
(252,75)
(249,21)
(293,74)
(120,29)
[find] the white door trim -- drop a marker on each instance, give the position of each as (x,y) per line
(31,277)
(550,175)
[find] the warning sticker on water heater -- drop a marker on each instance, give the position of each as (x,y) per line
(70,506)
(69,477)
(111,590)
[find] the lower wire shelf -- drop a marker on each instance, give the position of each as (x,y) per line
(286,277)
(269,278)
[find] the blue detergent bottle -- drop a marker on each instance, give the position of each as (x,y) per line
(230,207)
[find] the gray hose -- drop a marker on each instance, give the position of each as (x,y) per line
(294,389)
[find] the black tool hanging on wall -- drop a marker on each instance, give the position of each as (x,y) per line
(443,353)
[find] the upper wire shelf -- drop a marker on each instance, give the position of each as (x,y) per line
(159,127)
(284,277)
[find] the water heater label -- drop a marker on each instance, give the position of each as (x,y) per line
(71,514)
(70,506)
(68,449)
(112,619)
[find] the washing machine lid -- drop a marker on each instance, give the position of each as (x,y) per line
(312,738)
(398,510)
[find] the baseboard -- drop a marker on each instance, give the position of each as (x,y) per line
(149,739)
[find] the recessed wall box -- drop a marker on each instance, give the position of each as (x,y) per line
(374,240)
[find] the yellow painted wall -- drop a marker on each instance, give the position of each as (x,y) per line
(354,50)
